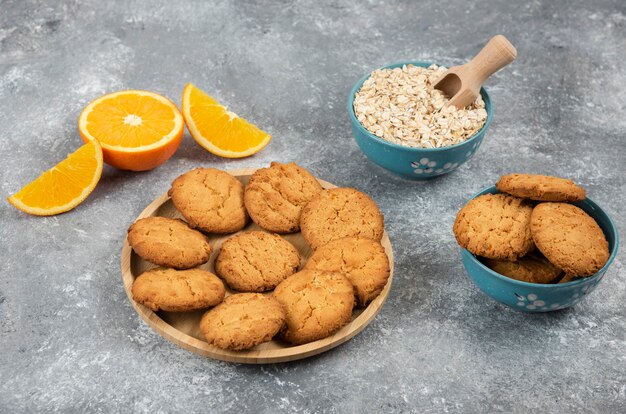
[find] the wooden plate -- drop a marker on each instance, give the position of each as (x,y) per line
(183,328)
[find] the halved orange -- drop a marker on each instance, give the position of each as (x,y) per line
(138,130)
(219,130)
(64,186)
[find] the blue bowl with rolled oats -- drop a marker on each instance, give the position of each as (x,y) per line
(538,297)
(402,124)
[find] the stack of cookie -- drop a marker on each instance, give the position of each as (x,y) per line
(531,233)
(268,295)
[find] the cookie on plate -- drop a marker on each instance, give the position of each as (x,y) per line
(168,242)
(211,200)
(275,196)
(495,226)
(569,238)
(540,187)
(256,261)
(363,261)
(532,268)
(317,304)
(340,212)
(178,290)
(243,321)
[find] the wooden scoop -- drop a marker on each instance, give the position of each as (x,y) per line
(461,84)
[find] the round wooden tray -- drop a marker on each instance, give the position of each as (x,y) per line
(183,328)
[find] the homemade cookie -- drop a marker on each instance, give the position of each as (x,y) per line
(363,261)
(317,304)
(540,187)
(569,238)
(256,261)
(340,212)
(168,242)
(211,200)
(275,196)
(178,290)
(532,268)
(496,226)
(243,321)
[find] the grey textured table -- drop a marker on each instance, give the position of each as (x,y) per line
(70,340)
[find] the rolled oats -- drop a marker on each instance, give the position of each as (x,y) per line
(400,105)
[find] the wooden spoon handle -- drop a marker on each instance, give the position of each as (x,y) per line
(497,53)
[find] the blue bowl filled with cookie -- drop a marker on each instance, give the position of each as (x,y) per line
(535,243)
(403,124)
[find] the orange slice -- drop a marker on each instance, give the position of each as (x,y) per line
(219,130)
(64,186)
(138,130)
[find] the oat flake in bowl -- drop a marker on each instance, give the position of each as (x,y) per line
(399,105)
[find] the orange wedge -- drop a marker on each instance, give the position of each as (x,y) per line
(219,130)
(138,130)
(64,186)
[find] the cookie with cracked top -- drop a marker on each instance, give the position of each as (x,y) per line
(211,200)
(178,290)
(540,187)
(275,196)
(317,304)
(532,268)
(243,321)
(569,238)
(495,226)
(363,261)
(256,261)
(340,212)
(168,242)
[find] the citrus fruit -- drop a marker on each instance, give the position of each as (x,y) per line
(64,186)
(219,130)
(138,130)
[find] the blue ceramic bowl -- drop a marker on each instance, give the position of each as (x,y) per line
(415,163)
(534,297)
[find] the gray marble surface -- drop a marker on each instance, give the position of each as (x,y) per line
(70,340)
